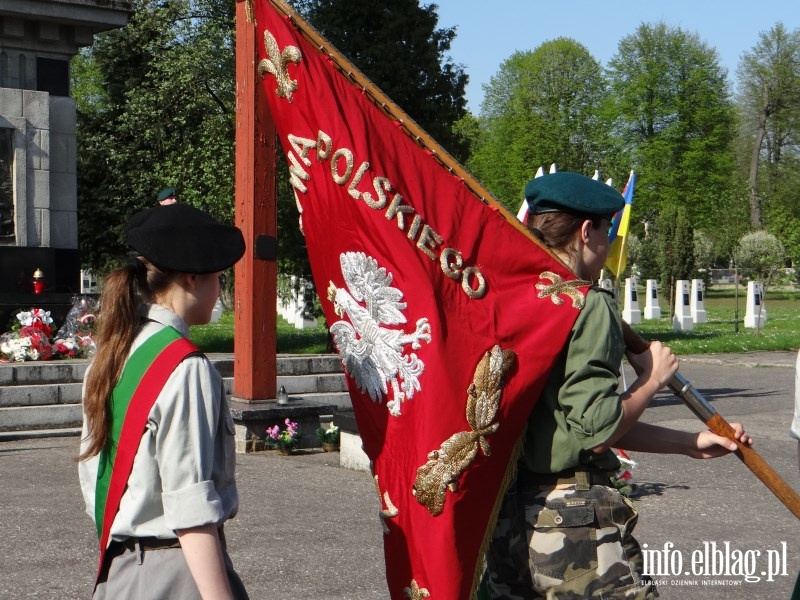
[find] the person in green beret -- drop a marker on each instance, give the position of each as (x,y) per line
(157,455)
(563,530)
(167,196)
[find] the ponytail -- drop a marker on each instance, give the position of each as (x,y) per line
(119,320)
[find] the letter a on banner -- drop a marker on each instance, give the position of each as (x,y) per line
(446,314)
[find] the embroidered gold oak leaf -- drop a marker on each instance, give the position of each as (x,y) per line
(446,464)
(559,286)
(278,65)
(415,592)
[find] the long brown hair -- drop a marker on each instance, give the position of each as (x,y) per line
(119,321)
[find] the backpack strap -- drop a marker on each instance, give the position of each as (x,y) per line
(143,378)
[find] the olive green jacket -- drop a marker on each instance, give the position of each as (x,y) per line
(580,407)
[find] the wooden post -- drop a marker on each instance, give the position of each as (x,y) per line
(255,301)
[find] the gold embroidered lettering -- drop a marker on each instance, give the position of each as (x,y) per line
(470,291)
(351,189)
(324,145)
(383,196)
(396,209)
(297,174)
(381,186)
(301,146)
(341,179)
(447,266)
(428,240)
(413,230)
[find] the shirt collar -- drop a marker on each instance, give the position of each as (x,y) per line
(163,315)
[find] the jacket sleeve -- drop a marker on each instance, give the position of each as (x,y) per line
(589,396)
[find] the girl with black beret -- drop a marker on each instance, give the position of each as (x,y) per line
(157,453)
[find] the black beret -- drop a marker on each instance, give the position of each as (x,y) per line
(179,237)
(165,193)
(574,193)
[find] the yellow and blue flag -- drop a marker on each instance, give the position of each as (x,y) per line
(618,234)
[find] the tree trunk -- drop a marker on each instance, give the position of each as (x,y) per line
(755,200)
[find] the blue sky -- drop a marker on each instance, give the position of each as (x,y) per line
(489,32)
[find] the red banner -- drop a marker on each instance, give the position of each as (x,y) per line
(446,316)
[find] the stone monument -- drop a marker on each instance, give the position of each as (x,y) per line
(38,183)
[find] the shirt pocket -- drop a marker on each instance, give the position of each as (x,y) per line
(563,539)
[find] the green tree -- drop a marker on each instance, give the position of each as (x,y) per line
(703,256)
(769,105)
(156,108)
(542,106)
(675,237)
(760,254)
(784,222)
(646,257)
(399,47)
(673,115)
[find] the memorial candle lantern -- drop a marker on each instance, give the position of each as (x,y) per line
(38,281)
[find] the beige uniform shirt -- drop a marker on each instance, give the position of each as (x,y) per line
(183,472)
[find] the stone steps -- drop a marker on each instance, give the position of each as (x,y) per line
(39,394)
(45,397)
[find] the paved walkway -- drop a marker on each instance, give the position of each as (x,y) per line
(309,530)
(744,359)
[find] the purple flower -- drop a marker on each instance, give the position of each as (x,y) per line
(273,432)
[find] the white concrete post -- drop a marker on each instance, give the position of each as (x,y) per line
(630,306)
(88,282)
(216,312)
(293,308)
(755,299)
(607,284)
(652,310)
(682,320)
(697,307)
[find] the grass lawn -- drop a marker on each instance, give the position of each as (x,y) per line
(781,332)
(218,337)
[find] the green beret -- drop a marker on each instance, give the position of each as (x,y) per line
(573,193)
(165,193)
(179,237)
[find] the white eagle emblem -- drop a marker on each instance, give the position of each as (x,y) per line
(371,354)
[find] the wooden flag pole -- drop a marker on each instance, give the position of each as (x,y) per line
(255,301)
(704,411)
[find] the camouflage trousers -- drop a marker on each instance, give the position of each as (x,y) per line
(565,539)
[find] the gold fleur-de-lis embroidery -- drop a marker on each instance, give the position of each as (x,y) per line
(278,65)
(391,509)
(415,592)
(558,286)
